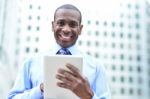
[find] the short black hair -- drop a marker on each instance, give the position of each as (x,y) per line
(69,6)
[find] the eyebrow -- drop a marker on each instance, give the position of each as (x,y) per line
(69,21)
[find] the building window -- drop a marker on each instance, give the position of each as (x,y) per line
(27,50)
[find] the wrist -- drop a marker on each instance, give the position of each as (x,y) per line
(89,96)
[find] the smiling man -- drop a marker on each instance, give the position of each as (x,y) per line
(67,25)
(91,83)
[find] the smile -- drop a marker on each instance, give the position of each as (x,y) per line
(66,37)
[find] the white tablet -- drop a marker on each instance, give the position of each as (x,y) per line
(51,65)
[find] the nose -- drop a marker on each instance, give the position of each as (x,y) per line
(66,29)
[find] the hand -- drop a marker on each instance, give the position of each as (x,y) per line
(73,80)
(42,87)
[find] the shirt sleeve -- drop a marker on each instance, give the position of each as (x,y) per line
(101,88)
(22,88)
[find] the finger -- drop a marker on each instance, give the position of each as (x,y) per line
(68,81)
(63,78)
(68,76)
(74,70)
(62,71)
(63,85)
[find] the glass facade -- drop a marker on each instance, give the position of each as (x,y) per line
(119,39)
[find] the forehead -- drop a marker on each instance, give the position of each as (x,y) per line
(67,14)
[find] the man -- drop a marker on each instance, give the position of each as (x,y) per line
(91,85)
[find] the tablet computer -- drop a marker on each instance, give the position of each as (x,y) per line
(51,65)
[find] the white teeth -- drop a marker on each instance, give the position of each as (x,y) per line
(66,36)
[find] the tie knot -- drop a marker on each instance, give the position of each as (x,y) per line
(64,51)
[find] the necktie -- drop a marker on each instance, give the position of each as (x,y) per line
(64,51)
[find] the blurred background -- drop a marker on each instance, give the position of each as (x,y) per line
(116,32)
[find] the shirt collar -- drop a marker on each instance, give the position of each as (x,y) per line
(73,49)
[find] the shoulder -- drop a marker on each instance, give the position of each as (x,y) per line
(36,56)
(31,59)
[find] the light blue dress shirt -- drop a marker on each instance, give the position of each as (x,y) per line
(27,84)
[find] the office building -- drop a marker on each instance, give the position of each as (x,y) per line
(116,32)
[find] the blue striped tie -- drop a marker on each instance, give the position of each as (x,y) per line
(64,51)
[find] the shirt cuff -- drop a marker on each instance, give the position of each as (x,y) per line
(36,93)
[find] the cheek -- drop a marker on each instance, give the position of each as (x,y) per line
(56,29)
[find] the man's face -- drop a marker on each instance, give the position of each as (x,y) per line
(66,27)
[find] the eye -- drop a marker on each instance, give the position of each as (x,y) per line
(61,23)
(73,24)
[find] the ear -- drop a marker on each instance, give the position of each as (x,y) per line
(81,26)
(52,26)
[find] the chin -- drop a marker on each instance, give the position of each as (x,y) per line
(66,45)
